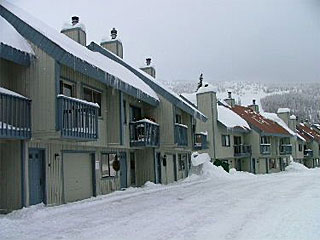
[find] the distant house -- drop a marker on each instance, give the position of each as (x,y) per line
(78,121)
(311,146)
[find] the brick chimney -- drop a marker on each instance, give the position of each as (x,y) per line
(75,31)
(149,68)
(114,44)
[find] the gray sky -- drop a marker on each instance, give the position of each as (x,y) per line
(251,40)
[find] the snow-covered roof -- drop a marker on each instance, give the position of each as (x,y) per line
(11,93)
(10,37)
(283,110)
(96,60)
(191,97)
(293,117)
(230,119)
(274,117)
(155,84)
(68,26)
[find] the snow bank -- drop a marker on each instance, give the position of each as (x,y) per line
(296,167)
(199,158)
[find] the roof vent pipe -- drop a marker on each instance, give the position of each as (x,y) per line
(254,102)
(114,33)
(75,20)
(148,61)
(229,94)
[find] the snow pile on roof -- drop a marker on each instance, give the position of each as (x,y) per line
(95,59)
(9,36)
(293,117)
(68,26)
(199,158)
(107,39)
(230,119)
(283,110)
(296,167)
(191,97)
(274,117)
(207,87)
(11,93)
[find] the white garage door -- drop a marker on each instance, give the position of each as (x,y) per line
(77,171)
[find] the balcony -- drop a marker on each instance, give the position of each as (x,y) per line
(200,141)
(265,149)
(285,149)
(181,134)
(242,150)
(308,153)
(15,115)
(144,133)
(78,119)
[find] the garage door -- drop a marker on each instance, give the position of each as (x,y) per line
(77,171)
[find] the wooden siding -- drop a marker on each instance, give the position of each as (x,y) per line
(10,176)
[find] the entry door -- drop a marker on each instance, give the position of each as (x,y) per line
(158,167)
(132,169)
(123,170)
(36,176)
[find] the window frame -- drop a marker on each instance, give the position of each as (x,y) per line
(93,91)
(64,82)
(109,165)
(225,140)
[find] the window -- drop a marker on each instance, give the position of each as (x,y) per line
(136,114)
(182,159)
(178,118)
(237,140)
(265,140)
(94,96)
(226,140)
(124,112)
(67,88)
(300,147)
(272,163)
(107,165)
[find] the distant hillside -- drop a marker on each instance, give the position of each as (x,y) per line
(302,99)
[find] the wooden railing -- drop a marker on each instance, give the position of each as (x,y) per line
(144,133)
(265,149)
(181,134)
(15,116)
(242,150)
(78,119)
(285,149)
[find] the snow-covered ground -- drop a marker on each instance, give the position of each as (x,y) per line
(215,205)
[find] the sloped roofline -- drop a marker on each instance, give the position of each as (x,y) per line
(158,89)
(66,58)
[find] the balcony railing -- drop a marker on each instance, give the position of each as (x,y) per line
(15,115)
(144,133)
(285,149)
(78,119)
(308,153)
(265,149)
(242,150)
(200,141)
(181,134)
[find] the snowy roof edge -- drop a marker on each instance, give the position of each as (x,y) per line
(63,56)
(158,89)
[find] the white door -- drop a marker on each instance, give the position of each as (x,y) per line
(77,171)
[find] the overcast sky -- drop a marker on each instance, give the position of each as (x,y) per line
(251,40)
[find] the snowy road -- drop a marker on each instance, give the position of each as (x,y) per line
(240,206)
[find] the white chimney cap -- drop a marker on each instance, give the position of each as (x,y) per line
(283,110)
